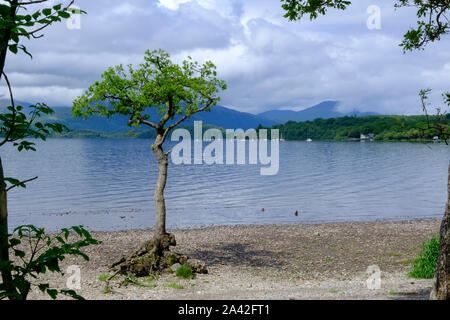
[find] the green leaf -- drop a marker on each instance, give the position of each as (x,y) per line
(43,286)
(24,49)
(47,11)
(19,253)
(53,293)
(14,242)
(77,230)
(36,15)
(72,294)
(13,48)
(14,37)
(64,14)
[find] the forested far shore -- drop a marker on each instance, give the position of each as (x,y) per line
(378,128)
(133,133)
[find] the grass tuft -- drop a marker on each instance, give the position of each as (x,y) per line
(185,272)
(107,289)
(174,285)
(424,267)
(104,276)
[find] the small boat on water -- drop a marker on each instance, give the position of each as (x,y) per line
(307,135)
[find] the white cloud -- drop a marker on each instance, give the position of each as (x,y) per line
(125,9)
(51,95)
(172,4)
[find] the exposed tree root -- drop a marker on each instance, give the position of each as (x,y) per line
(155,256)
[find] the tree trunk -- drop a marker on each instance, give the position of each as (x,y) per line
(161,236)
(4,245)
(160,204)
(155,255)
(441,285)
(5,36)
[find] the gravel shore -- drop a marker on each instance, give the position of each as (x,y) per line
(319,261)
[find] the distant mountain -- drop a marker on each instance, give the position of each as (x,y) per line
(325,110)
(218,116)
(231,119)
(6,102)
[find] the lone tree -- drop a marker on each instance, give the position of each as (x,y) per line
(432,24)
(175,91)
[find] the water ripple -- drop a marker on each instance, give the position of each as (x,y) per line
(108,184)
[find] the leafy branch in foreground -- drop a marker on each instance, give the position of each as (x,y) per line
(432,21)
(44,253)
(16,22)
(16,126)
(295,10)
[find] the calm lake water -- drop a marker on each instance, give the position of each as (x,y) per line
(107,184)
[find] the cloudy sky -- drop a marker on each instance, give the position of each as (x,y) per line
(267,61)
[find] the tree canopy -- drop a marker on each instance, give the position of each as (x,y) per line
(174,89)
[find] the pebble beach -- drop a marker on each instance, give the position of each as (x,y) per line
(304,261)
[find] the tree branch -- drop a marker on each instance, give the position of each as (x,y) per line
(148,123)
(13,118)
(21,182)
(32,33)
(167,130)
(31,2)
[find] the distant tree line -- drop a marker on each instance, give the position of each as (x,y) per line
(137,134)
(385,128)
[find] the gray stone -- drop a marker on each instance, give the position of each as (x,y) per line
(197,266)
(175,267)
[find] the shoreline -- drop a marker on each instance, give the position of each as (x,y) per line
(94,135)
(302,261)
(249,225)
(276,225)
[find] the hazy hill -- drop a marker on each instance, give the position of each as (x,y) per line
(324,110)
(219,116)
